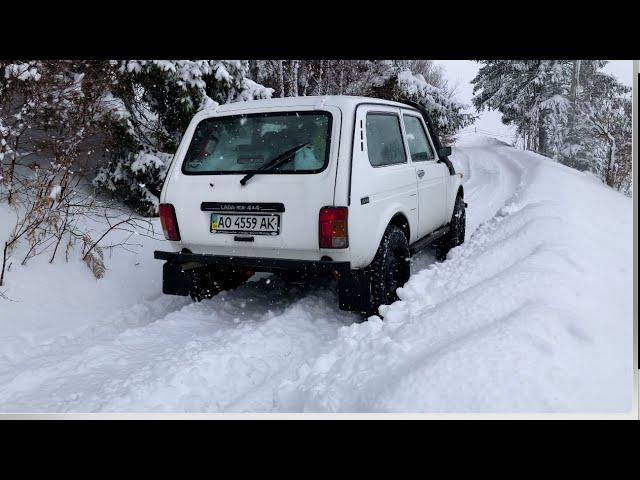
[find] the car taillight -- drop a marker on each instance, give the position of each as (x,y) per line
(333,231)
(169,222)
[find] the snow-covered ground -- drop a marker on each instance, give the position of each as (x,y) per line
(533,313)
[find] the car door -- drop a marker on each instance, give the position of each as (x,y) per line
(431,175)
(383,181)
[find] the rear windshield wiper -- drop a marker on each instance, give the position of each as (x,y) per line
(275,162)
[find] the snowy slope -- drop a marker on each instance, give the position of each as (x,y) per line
(533,313)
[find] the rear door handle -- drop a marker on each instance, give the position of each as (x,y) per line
(420,173)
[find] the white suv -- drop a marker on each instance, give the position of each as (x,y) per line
(347,186)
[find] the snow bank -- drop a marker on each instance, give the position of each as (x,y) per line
(532,314)
(479,141)
(48,303)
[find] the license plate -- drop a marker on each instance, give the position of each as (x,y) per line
(254,224)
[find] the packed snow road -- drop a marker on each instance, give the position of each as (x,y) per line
(531,314)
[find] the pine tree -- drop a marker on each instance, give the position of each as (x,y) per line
(148,109)
(526,92)
(565,109)
(606,109)
(447,114)
(418,80)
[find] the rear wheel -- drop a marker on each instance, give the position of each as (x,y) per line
(390,268)
(207,282)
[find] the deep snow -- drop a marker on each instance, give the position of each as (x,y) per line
(533,313)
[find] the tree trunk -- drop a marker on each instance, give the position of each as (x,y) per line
(293,84)
(12,167)
(542,135)
(4,263)
(10,178)
(254,70)
(609,172)
(281,77)
(306,73)
(319,91)
(573,95)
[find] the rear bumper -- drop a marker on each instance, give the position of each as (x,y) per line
(258,264)
(354,291)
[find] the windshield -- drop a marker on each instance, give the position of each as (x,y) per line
(244,143)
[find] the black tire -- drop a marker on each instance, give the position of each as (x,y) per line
(206,282)
(390,268)
(457,226)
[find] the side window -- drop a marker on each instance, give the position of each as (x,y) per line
(384,140)
(419,146)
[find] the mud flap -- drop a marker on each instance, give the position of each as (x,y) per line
(354,291)
(174,280)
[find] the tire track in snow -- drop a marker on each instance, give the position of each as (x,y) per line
(202,357)
(494,179)
(409,335)
(105,329)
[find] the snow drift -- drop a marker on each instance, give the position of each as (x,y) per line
(533,313)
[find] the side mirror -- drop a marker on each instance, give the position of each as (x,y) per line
(444,152)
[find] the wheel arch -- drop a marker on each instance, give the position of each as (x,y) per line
(454,186)
(402,222)
(367,243)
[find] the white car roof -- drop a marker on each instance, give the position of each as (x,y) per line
(344,102)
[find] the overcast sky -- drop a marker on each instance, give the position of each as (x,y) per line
(460,72)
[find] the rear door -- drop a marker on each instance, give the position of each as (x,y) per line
(383,181)
(275,214)
(430,175)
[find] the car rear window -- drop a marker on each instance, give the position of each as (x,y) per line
(243,143)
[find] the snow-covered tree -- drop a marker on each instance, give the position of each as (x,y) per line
(606,118)
(417,80)
(49,110)
(564,109)
(447,114)
(527,93)
(147,111)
